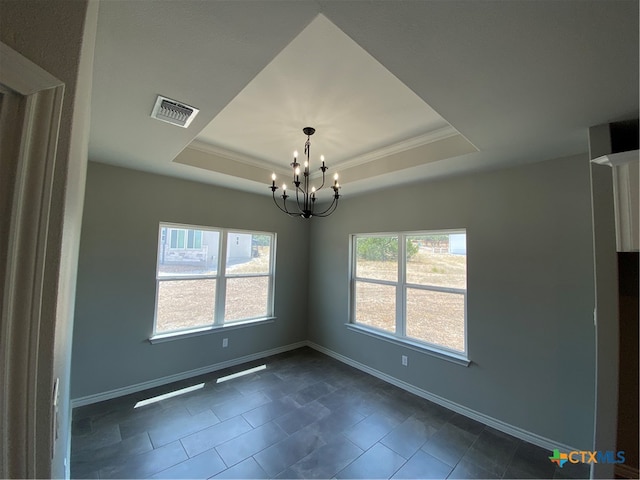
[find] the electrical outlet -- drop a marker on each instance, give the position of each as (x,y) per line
(225,342)
(405,360)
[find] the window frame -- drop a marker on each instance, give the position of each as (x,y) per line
(401,285)
(218,321)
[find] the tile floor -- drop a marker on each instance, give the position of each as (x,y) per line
(305,415)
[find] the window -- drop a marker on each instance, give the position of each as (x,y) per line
(412,286)
(178,236)
(209,277)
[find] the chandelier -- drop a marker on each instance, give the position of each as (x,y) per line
(305,193)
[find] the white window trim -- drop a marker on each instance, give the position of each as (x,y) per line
(411,344)
(399,336)
(196,332)
(217,322)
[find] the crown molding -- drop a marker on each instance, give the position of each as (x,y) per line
(409,144)
(617,159)
(219,151)
(403,146)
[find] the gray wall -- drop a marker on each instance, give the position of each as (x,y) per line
(116,278)
(530,292)
(530,287)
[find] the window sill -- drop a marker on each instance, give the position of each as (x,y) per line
(168,337)
(459,359)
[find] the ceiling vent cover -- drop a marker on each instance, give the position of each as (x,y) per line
(173,112)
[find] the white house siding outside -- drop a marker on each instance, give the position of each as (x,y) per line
(196,251)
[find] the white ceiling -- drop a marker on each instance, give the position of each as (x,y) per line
(398,91)
(325,80)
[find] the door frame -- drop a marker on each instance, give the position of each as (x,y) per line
(29,125)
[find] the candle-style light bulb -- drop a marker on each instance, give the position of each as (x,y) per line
(295,155)
(284,187)
(313,189)
(306,164)
(273,176)
(297,170)
(335,177)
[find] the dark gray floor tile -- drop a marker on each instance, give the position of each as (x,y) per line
(336,423)
(407,438)
(338,400)
(258,382)
(202,466)
(433,414)
(368,404)
(466,423)
(340,413)
(277,457)
(107,408)
(170,431)
(492,451)
(423,465)
(399,414)
(377,462)
(530,461)
(81,426)
(449,444)
(250,443)
(209,397)
(274,409)
(111,454)
(337,377)
(238,406)
(118,414)
(147,464)
(99,438)
(248,468)
(223,394)
(282,389)
(370,430)
(182,399)
(467,470)
(143,419)
(214,435)
(572,470)
(302,416)
(84,470)
(312,392)
(289,474)
(327,460)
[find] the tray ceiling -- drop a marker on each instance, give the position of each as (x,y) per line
(398,91)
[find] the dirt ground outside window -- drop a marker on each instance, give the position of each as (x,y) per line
(433,317)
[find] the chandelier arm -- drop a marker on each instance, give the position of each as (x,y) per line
(307,201)
(284,202)
(320,188)
(330,209)
(300,210)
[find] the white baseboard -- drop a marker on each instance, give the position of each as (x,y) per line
(119,392)
(467,412)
